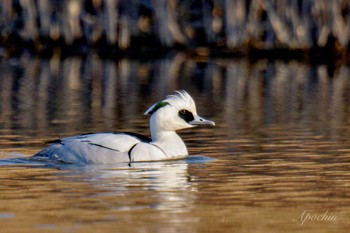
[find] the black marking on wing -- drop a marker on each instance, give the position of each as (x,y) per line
(140,137)
(104,147)
(58,141)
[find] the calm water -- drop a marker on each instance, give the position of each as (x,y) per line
(280,151)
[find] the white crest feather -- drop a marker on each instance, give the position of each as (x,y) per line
(181,100)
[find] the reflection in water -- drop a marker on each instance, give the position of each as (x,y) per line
(286,94)
(101,194)
(167,181)
(81,93)
(74,92)
(282,145)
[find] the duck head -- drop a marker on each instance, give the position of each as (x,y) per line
(176,112)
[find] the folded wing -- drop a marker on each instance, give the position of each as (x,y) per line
(92,148)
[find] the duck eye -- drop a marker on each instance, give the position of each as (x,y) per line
(186,115)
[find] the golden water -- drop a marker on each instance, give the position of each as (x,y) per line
(280,151)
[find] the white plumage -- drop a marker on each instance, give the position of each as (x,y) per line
(176,112)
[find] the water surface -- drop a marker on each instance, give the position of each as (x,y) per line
(280,151)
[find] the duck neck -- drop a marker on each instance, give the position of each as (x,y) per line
(169,141)
(165,136)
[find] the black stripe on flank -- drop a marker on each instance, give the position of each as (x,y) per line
(129,152)
(160,149)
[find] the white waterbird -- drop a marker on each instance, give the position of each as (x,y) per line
(176,112)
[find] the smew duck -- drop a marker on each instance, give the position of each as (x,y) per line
(176,112)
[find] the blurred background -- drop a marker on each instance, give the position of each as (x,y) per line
(146,27)
(95,64)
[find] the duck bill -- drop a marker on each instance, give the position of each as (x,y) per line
(201,121)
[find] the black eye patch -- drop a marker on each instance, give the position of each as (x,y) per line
(186,115)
